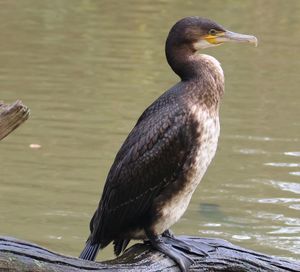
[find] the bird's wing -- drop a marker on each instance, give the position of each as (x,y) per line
(151,157)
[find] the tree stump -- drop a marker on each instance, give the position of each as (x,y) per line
(11,116)
(16,255)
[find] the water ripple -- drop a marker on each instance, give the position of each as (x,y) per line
(294,173)
(294,153)
(241,237)
(295,206)
(287,186)
(282,164)
(276,200)
(249,151)
(279,217)
(262,138)
(286,230)
(290,244)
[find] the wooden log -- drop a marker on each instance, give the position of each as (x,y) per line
(11,116)
(16,255)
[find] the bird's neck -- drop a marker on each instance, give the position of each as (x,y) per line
(203,73)
(190,65)
(179,59)
(208,82)
(208,65)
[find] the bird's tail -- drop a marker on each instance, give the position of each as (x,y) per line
(90,251)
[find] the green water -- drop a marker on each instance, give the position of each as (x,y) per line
(87,69)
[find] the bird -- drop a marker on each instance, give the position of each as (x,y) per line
(166,154)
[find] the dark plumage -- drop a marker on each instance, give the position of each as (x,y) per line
(168,151)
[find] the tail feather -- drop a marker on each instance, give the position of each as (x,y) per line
(90,251)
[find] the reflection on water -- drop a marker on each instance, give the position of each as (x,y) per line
(282,164)
(295,154)
(88,69)
(287,186)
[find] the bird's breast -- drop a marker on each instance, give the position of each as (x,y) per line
(203,151)
(205,145)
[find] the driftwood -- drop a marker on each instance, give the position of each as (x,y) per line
(11,116)
(16,255)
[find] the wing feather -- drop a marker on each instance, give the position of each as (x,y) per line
(151,157)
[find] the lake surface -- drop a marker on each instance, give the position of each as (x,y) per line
(87,69)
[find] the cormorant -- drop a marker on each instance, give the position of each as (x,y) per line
(165,156)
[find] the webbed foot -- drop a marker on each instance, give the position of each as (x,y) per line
(175,254)
(186,245)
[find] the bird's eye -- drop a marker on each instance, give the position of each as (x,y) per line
(212,32)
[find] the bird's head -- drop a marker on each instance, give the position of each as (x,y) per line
(201,33)
(192,34)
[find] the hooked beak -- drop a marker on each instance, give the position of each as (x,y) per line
(228,36)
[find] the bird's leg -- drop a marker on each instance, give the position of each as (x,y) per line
(168,233)
(179,257)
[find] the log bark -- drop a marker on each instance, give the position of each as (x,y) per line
(11,116)
(17,255)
